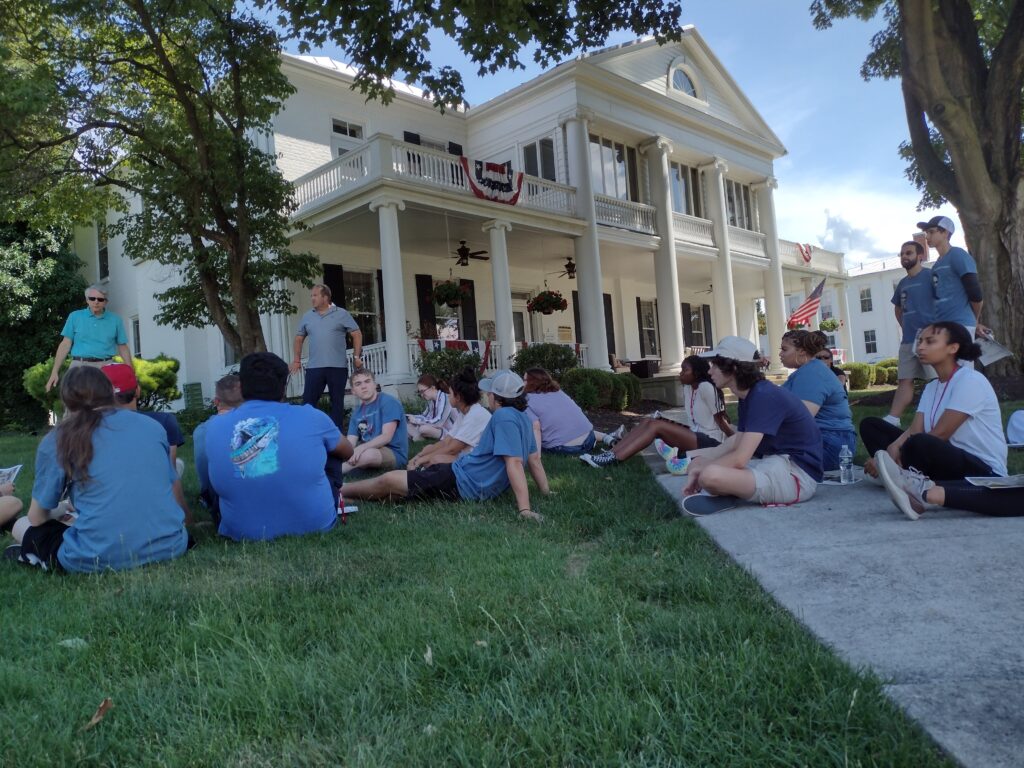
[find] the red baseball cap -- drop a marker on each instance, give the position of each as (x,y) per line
(122,376)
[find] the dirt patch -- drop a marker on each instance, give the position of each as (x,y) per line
(608,421)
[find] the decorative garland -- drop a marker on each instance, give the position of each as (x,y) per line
(493,181)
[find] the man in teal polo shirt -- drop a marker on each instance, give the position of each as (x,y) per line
(91,335)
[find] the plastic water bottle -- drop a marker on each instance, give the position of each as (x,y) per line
(845,465)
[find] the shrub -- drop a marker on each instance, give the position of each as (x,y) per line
(889,362)
(881,375)
(858,373)
(443,364)
(634,394)
(620,395)
(894,376)
(829,325)
(585,395)
(601,389)
(556,358)
(190,418)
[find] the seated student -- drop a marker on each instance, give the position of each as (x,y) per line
(376,429)
(775,455)
(126,395)
(821,392)
(564,427)
(267,458)
(437,415)
(470,420)
(10,506)
(121,485)
(709,424)
(227,396)
(825,356)
(497,463)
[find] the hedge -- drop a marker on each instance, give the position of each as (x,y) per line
(858,373)
(556,359)
(444,364)
(889,362)
(881,375)
(591,388)
(894,376)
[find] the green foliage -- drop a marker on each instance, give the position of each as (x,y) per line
(634,393)
(584,392)
(888,362)
(591,388)
(893,376)
(34,381)
(619,397)
(859,375)
(444,364)
(190,418)
(555,358)
(829,325)
(881,375)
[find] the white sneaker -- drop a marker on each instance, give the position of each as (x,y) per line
(894,420)
(612,438)
(906,487)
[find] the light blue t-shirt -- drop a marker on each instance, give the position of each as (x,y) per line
(951,302)
(266,463)
(327,337)
(814,382)
(199,454)
(915,297)
(93,336)
(481,474)
(368,420)
(127,515)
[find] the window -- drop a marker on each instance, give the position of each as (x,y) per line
(870,343)
(686,190)
(738,205)
(448,319)
(345,128)
(345,136)
(826,312)
(361,302)
(697,325)
(865,300)
(136,338)
(831,340)
(613,169)
(539,159)
(103,252)
(648,328)
(230,357)
(681,81)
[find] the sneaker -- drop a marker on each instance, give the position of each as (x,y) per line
(655,415)
(906,487)
(677,466)
(13,552)
(665,450)
(600,460)
(890,419)
(613,437)
(701,504)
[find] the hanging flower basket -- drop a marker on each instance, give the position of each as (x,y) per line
(547,302)
(829,325)
(450,293)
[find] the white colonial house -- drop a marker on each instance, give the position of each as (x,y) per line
(645,170)
(874,331)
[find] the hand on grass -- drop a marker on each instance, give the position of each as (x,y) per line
(529,514)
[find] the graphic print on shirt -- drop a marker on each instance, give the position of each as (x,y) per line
(254,447)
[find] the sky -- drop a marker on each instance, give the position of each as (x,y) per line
(842,183)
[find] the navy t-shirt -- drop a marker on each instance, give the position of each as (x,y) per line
(170,424)
(786,424)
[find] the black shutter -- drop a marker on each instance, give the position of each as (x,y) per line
(428,315)
(454,149)
(609,324)
(411,138)
(468,311)
(684,308)
(334,278)
(380,303)
(640,328)
(708,340)
(576,315)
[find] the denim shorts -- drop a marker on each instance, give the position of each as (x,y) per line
(575,450)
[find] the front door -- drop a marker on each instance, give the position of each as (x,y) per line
(521,323)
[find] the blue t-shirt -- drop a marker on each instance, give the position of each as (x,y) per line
(368,420)
(786,424)
(170,424)
(951,302)
(127,515)
(93,336)
(327,337)
(199,454)
(266,464)
(481,473)
(814,382)
(914,295)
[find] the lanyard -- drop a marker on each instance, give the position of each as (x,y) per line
(938,400)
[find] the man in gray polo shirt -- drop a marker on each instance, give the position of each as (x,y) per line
(326,326)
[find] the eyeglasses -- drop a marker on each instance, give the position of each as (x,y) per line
(100,299)
(422,392)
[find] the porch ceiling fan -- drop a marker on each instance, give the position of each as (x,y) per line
(463,254)
(569,270)
(709,290)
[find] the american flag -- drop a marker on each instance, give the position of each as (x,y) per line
(807,310)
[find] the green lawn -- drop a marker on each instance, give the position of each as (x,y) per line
(615,633)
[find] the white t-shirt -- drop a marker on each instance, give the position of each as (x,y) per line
(470,425)
(701,405)
(968,391)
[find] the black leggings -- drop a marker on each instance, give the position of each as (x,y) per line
(1000,502)
(931,456)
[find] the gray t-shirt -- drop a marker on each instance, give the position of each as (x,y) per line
(326,334)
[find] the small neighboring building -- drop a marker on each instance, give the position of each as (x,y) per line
(874,331)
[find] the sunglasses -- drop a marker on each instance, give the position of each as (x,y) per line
(100,299)
(824,357)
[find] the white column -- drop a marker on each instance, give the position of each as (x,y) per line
(503,329)
(845,331)
(774,290)
(666,272)
(725,297)
(586,248)
(387,209)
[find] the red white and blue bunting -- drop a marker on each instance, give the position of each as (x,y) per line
(805,251)
(493,181)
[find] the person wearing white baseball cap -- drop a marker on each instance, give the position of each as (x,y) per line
(955,285)
(507,446)
(775,455)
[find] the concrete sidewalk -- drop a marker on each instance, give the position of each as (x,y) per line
(934,607)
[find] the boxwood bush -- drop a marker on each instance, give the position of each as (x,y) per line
(556,359)
(858,373)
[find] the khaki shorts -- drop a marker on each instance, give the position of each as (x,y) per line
(911,367)
(780,481)
(387,458)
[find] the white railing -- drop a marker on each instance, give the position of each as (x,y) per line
(375,358)
(691,229)
(334,177)
(437,168)
(745,241)
(582,356)
(544,195)
(821,259)
(494,360)
(625,214)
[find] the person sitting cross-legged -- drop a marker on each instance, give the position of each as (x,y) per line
(497,463)
(775,455)
(470,421)
(267,458)
(377,428)
(437,414)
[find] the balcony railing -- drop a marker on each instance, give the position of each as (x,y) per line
(821,259)
(336,177)
(691,229)
(745,241)
(625,214)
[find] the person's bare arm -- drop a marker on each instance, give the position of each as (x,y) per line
(179,496)
(540,477)
(126,354)
(948,423)
(517,479)
(357,347)
(916,427)
(296,354)
(898,311)
(343,450)
(722,420)
(812,407)
(37,513)
(58,360)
